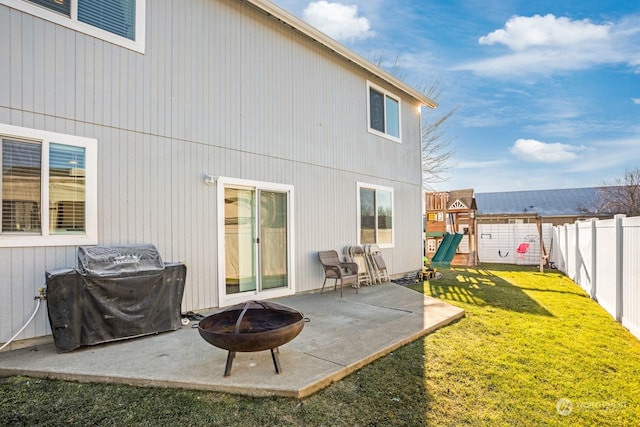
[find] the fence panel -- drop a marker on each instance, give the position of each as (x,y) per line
(602,258)
(558,248)
(571,250)
(631,274)
(584,256)
(606,289)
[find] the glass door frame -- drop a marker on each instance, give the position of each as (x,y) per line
(223,298)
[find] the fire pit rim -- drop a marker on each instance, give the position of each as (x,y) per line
(249,341)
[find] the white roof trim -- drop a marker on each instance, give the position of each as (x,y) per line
(306,29)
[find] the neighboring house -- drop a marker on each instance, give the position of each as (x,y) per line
(230,134)
(451,212)
(557,207)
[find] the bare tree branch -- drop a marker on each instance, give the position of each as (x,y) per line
(436,145)
(436,149)
(623,197)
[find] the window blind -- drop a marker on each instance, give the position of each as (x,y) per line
(66,188)
(21,186)
(60,6)
(116,16)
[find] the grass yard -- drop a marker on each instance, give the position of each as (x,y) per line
(533,350)
(533,346)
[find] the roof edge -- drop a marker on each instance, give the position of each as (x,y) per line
(315,34)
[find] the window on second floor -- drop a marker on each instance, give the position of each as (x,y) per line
(384,113)
(118,21)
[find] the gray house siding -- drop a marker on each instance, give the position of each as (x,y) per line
(222,89)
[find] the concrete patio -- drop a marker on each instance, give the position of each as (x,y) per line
(343,335)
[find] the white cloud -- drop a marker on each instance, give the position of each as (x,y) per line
(549,44)
(636,101)
(615,154)
(337,20)
(545,152)
(481,164)
(521,32)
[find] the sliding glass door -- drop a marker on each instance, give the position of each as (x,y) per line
(239,240)
(273,254)
(256,240)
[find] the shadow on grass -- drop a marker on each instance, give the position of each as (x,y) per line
(480,287)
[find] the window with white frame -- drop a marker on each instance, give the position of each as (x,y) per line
(375,219)
(384,113)
(117,21)
(48,187)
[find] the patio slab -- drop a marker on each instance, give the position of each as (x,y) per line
(343,335)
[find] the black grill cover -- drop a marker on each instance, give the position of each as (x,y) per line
(116,292)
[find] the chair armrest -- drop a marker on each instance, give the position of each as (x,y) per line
(335,268)
(351,266)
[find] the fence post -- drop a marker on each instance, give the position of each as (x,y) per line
(618,247)
(594,254)
(566,248)
(578,257)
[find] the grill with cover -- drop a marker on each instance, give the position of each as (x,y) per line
(116,292)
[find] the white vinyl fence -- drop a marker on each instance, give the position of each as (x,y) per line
(603,257)
(498,243)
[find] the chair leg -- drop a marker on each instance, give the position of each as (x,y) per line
(323,283)
(340,286)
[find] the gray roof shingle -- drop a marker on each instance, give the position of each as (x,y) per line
(568,201)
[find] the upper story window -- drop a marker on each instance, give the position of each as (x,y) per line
(48,187)
(384,113)
(117,21)
(375,219)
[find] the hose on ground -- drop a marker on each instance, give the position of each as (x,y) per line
(23,328)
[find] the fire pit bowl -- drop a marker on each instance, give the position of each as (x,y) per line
(252,326)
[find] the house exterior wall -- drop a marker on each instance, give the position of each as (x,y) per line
(223,89)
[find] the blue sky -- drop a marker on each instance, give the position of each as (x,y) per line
(548,92)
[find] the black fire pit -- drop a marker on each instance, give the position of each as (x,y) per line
(252,326)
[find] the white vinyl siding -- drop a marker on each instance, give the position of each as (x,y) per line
(195,104)
(121,22)
(48,188)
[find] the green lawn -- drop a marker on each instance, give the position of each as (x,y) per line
(531,345)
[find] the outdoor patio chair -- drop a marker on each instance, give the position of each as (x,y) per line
(377,266)
(345,272)
(356,254)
